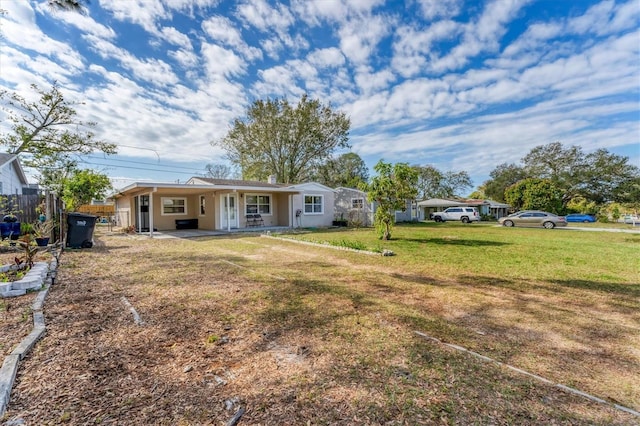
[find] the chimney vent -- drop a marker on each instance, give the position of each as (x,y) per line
(272,179)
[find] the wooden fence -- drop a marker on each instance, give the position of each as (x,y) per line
(22,206)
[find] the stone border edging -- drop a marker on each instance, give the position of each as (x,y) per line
(309,243)
(9,368)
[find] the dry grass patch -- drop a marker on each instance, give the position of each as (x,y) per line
(305,335)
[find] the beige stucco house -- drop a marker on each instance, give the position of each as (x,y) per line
(222,204)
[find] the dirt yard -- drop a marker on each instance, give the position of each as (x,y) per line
(195,332)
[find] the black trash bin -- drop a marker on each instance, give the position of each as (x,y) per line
(80,230)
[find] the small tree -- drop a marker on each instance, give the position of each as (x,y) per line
(390,190)
(83,186)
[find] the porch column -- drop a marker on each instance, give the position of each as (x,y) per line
(228,214)
(138,214)
(151,212)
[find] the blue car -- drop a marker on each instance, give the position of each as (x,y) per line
(578,217)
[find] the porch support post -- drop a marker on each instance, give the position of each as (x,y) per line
(228,214)
(151,212)
(138,214)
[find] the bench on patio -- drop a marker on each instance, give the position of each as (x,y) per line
(186,223)
(254,220)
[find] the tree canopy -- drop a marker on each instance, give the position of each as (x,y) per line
(218,171)
(432,183)
(348,170)
(47,131)
(390,189)
(70,5)
(535,194)
(288,141)
(599,176)
(83,186)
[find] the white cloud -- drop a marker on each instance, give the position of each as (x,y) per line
(140,12)
(153,71)
(19,29)
(260,14)
(483,35)
(175,37)
(431,9)
(221,29)
(221,61)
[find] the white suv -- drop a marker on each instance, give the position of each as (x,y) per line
(464,214)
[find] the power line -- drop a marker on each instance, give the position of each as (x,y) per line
(138,162)
(144,168)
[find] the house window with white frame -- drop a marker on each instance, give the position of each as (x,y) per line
(313,204)
(202,205)
(257,204)
(174,206)
(357,203)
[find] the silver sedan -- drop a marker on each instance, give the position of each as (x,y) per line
(533,218)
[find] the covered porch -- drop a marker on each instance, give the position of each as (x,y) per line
(151,208)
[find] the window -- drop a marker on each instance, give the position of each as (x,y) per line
(313,204)
(357,203)
(202,205)
(257,204)
(174,206)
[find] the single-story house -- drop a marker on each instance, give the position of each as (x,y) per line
(352,205)
(222,204)
(485,207)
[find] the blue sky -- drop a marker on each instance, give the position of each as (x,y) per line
(460,85)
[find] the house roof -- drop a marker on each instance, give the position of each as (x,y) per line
(232,182)
(344,188)
(193,188)
(441,202)
(312,186)
(6,159)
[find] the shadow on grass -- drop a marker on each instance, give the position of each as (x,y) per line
(455,242)
(617,288)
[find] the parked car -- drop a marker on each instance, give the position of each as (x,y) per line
(578,217)
(464,214)
(630,219)
(533,218)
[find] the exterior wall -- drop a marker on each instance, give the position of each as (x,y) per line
(9,180)
(404,216)
(168,222)
(206,221)
(320,220)
(344,206)
(123,213)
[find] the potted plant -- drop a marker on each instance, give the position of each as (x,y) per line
(42,232)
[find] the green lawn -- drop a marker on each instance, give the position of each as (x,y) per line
(607,260)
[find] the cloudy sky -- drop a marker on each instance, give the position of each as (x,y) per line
(457,84)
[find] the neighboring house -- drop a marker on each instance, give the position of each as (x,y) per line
(408,214)
(222,204)
(352,205)
(13,181)
(485,207)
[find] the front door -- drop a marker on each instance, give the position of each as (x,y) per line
(229,212)
(142,213)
